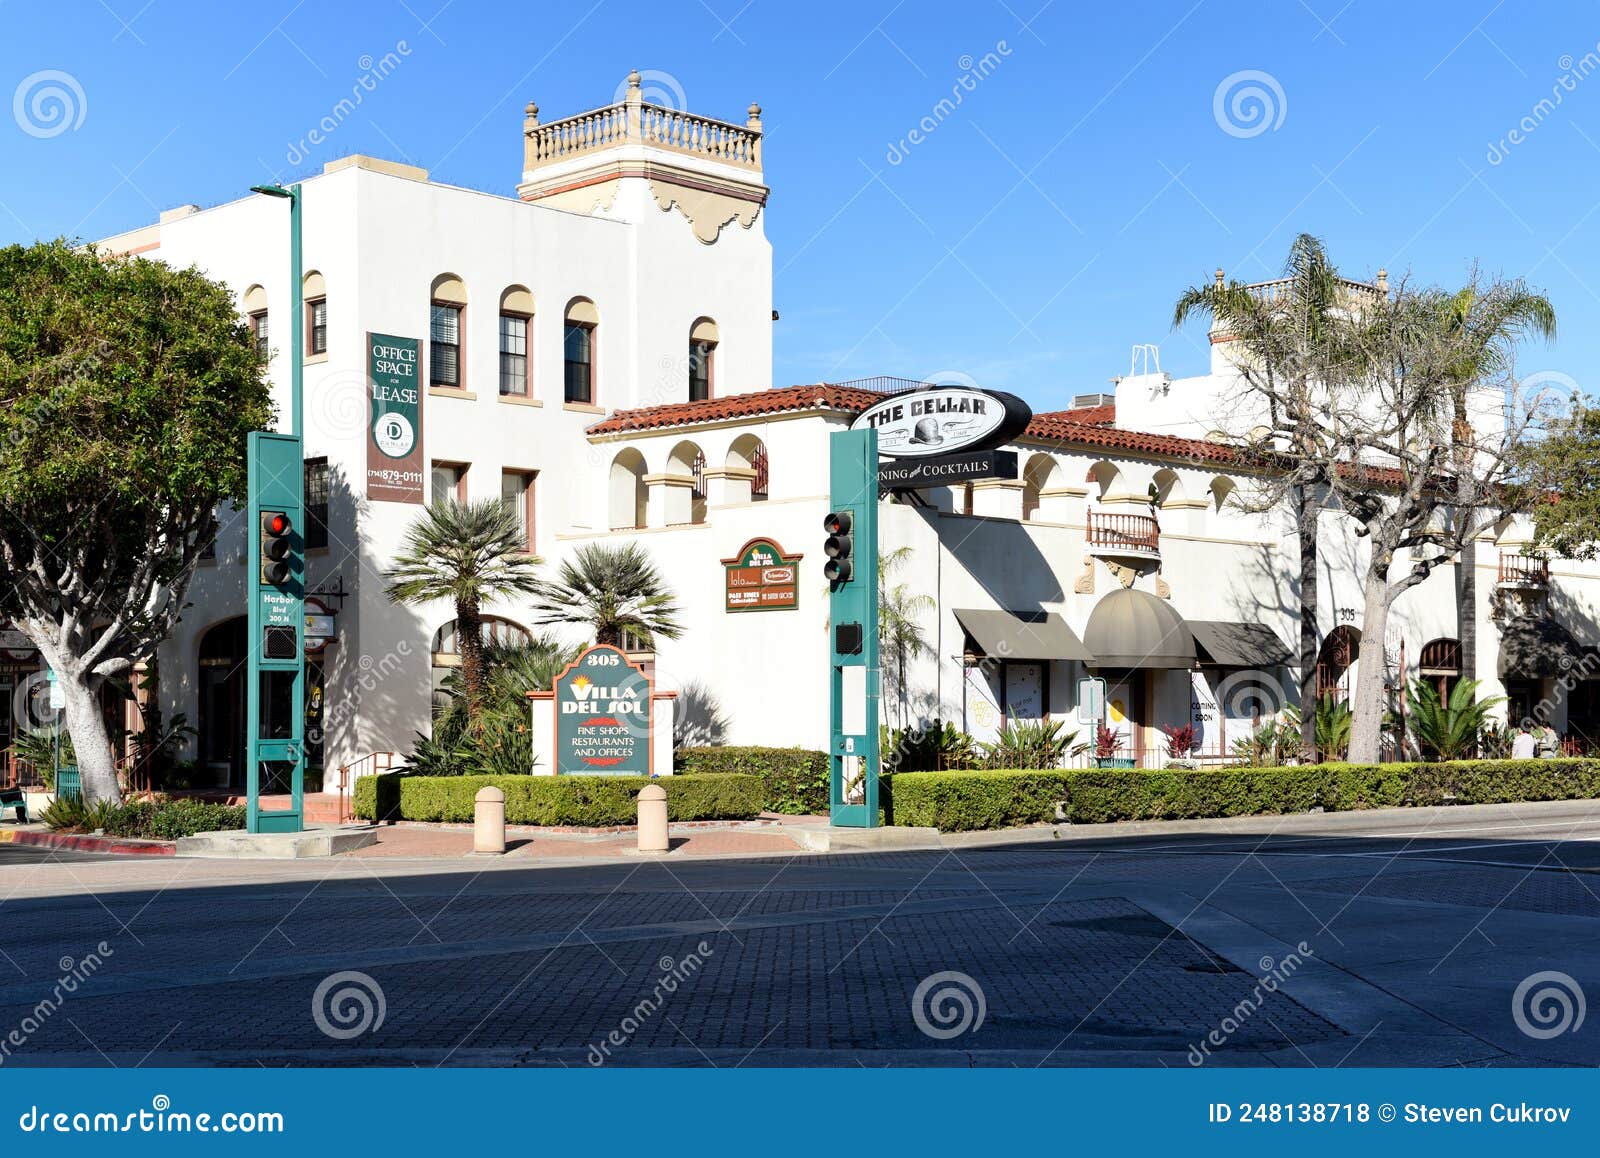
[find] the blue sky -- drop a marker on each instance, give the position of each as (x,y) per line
(1040,229)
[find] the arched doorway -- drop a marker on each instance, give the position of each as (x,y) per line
(1336,662)
(221,680)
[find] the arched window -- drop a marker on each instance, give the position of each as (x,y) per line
(1334,662)
(629,497)
(447,307)
(446,652)
(687,460)
(516,332)
(1037,477)
(1106,478)
(579,346)
(1167,487)
(255,308)
(1222,489)
(703,339)
(749,453)
(315,291)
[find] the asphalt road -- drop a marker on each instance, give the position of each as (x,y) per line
(1464,936)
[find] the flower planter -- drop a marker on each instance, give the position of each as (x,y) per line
(1113,762)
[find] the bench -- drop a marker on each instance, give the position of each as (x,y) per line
(15,798)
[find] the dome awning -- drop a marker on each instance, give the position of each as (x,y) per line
(1134,629)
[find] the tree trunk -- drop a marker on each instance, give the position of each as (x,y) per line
(469,638)
(90,740)
(1306,515)
(1461,436)
(607,633)
(1467,608)
(1366,724)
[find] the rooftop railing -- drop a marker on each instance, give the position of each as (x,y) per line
(633,121)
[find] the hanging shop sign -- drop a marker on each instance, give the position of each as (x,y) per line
(943,420)
(913,473)
(321,627)
(602,721)
(761,577)
(394,419)
(17,647)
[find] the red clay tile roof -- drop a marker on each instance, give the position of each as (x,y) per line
(820,396)
(1055,429)
(1087,426)
(1092,415)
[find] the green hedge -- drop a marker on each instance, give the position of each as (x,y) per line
(586,801)
(171,819)
(957,801)
(794,780)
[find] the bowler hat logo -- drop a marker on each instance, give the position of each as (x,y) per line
(927,432)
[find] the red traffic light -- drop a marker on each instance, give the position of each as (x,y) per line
(276,548)
(837,523)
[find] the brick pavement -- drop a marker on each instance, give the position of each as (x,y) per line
(1076,952)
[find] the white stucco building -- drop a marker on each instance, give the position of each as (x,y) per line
(598,347)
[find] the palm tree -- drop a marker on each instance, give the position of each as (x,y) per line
(1285,339)
(1484,325)
(497,742)
(900,611)
(471,553)
(612,589)
(1448,728)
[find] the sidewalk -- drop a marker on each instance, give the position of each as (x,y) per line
(770,836)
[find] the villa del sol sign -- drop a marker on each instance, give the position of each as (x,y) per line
(761,577)
(602,724)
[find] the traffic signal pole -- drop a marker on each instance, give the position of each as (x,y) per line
(851,550)
(275,585)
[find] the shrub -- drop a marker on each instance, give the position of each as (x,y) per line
(1033,744)
(586,801)
(74,814)
(794,780)
(925,747)
(960,801)
(172,819)
(955,801)
(142,819)
(1448,728)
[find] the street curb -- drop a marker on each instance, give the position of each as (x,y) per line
(89,843)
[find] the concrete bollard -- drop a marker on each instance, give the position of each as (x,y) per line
(653,819)
(489,821)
